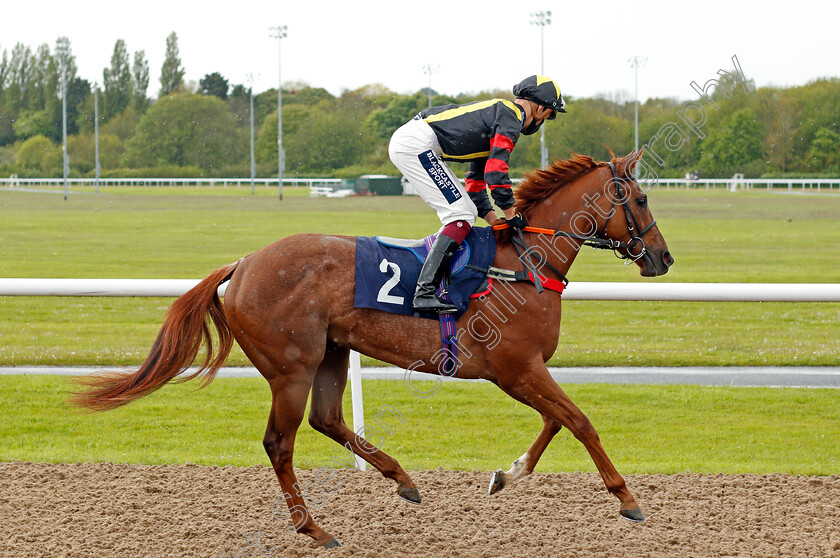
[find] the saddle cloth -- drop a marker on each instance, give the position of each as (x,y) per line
(387,270)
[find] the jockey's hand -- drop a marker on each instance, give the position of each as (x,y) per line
(517,221)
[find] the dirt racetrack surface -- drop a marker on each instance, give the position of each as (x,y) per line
(106,510)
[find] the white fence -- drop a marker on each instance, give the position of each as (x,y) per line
(773,184)
(731,292)
(14,182)
(698,292)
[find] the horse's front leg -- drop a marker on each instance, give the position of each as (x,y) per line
(536,388)
(524,466)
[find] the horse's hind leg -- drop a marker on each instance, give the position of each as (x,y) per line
(290,382)
(524,466)
(289,394)
(326,416)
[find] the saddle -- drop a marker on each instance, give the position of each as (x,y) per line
(386,276)
(387,270)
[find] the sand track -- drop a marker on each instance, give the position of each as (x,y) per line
(133,510)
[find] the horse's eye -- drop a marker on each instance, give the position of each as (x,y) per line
(642,202)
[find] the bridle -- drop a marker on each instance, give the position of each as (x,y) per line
(599,240)
(632,226)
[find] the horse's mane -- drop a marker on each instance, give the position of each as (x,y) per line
(541,183)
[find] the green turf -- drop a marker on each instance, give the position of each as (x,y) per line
(469,426)
(168,232)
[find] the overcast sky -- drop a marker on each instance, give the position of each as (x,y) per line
(474,46)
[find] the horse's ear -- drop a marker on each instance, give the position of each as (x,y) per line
(633,157)
(631,160)
(607,147)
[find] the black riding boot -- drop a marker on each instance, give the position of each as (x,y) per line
(436,264)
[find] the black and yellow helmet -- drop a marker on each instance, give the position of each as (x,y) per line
(541,90)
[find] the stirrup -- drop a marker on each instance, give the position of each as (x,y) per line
(432,303)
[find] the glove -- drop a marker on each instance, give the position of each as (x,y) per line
(517,221)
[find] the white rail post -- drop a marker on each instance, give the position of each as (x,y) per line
(358,401)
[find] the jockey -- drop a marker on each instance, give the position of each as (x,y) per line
(482,133)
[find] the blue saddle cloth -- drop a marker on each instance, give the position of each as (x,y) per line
(387,270)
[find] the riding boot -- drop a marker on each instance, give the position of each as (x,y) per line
(436,264)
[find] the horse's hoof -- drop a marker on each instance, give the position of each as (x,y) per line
(497,482)
(635,515)
(410,494)
(332,543)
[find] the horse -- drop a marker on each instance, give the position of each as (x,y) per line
(290,308)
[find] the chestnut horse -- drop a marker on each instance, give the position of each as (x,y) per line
(290,308)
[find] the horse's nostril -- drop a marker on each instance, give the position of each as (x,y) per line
(667,259)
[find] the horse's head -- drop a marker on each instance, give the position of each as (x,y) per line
(596,204)
(629,221)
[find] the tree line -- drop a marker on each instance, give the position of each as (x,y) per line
(203,129)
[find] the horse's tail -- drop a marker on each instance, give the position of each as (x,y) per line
(187,324)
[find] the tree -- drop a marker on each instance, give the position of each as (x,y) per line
(820,109)
(41,89)
(595,128)
(39,156)
(365,98)
(382,122)
(172,74)
(328,141)
(824,152)
(214,84)
(32,123)
(300,92)
(239,105)
(117,82)
(123,125)
(7,131)
(666,137)
(78,92)
(82,151)
(779,116)
(4,71)
(317,139)
(19,78)
(140,81)
(734,147)
(295,117)
(239,91)
(185,130)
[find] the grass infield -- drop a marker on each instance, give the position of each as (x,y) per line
(467,426)
(187,232)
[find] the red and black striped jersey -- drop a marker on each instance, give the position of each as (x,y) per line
(483,133)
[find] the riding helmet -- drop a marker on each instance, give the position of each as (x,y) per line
(541,90)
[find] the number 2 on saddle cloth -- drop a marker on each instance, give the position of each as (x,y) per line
(387,270)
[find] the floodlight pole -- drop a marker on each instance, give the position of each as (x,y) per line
(542,19)
(279,32)
(252,78)
(96,133)
(637,62)
(65,160)
(253,161)
(429,69)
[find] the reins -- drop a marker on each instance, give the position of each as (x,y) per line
(597,241)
